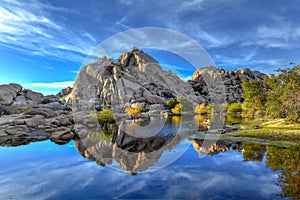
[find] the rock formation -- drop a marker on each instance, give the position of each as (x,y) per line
(14,94)
(232,82)
(213,147)
(135,77)
(133,154)
(64,92)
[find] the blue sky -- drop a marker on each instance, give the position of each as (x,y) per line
(43,43)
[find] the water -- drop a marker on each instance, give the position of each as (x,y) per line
(165,166)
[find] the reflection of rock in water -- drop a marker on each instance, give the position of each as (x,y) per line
(133,154)
(213,147)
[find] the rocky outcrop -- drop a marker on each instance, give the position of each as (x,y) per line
(135,77)
(133,154)
(64,92)
(14,94)
(50,123)
(231,80)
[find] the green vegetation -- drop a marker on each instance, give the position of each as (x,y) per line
(179,105)
(103,117)
(255,98)
(281,100)
(172,103)
(24,109)
(271,130)
(233,108)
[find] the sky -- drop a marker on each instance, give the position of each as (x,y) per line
(44,43)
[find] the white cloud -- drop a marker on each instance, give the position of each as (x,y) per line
(74,71)
(28,27)
(63,84)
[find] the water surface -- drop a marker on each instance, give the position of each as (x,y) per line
(131,168)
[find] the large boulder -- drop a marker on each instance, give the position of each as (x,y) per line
(13,94)
(8,93)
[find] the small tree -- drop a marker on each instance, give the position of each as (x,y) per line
(134,111)
(177,109)
(255,98)
(201,109)
(186,105)
(234,108)
(172,103)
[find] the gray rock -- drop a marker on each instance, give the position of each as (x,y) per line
(3,134)
(2,110)
(135,77)
(63,120)
(156,107)
(35,121)
(46,112)
(203,77)
(18,129)
(7,94)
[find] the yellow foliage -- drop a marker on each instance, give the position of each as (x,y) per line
(134,110)
(177,109)
(201,109)
(62,100)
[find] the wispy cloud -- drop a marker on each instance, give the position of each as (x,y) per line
(30,28)
(48,88)
(63,84)
(74,71)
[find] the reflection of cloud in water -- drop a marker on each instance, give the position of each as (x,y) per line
(57,176)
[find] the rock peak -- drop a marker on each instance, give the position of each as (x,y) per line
(134,48)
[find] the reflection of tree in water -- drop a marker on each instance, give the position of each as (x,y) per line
(253,152)
(286,160)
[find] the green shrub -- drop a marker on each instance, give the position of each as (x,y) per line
(234,108)
(103,117)
(172,103)
(186,105)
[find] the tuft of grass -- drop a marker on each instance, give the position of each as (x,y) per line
(24,109)
(276,130)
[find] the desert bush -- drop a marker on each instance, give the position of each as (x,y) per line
(103,117)
(24,109)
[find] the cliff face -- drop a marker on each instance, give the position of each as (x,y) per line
(135,77)
(232,82)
